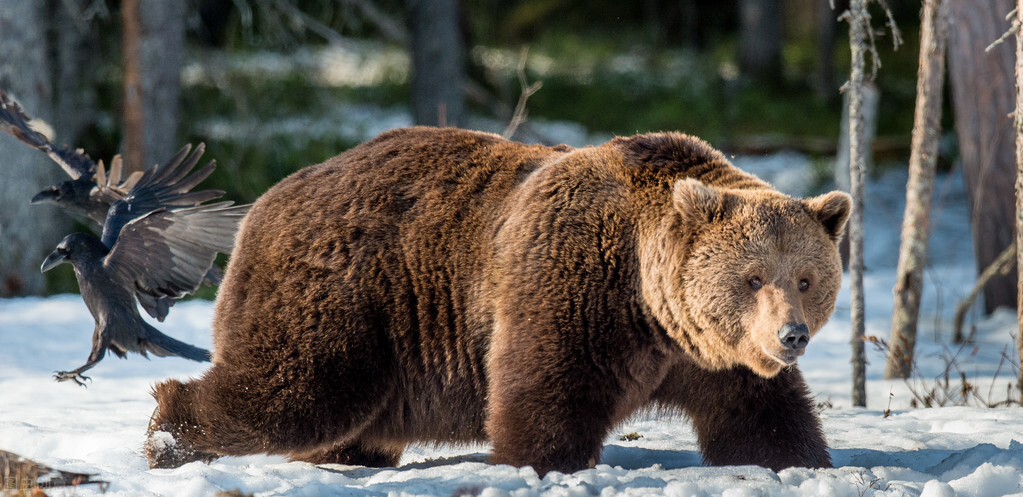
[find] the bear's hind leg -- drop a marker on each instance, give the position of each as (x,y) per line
(167,445)
(228,412)
(352,454)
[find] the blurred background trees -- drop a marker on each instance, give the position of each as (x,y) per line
(25,70)
(275,85)
(983,94)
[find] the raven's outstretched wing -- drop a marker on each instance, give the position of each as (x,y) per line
(14,122)
(164,186)
(170,184)
(166,253)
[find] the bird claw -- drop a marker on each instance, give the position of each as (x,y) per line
(71,376)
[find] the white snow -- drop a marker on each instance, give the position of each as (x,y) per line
(935,452)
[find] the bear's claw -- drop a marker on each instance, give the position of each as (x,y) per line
(164,450)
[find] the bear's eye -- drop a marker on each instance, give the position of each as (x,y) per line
(755,283)
(804,285)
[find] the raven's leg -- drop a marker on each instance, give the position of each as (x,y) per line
(75,374)
(99,349)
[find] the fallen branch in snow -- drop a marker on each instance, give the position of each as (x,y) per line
(18,473)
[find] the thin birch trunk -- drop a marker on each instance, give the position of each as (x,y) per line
(916,222)
(859,22)
(1018,120)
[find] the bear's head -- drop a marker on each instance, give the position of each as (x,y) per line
(744,276)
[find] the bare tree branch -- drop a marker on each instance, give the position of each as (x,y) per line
(278,11)
(1006,35)
(299,18)
(896,34)
(1002,265)
(519,116)
(390,28)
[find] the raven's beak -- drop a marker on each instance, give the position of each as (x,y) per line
(54,259)
(48,195)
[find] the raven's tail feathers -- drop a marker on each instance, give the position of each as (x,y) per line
(162,345)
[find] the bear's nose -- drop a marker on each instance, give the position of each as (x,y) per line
(794,336)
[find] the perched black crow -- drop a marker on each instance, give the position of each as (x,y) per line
(91,191)
(155,259)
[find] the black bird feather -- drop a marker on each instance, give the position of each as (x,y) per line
(15,122)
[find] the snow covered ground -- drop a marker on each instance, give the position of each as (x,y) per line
(968,451)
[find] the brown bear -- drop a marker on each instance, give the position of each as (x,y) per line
(446,285)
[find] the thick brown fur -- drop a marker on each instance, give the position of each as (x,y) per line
(451,286)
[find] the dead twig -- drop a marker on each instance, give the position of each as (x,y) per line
(1013,29)
(942,390)
(871,45)
(519,116)
(1005,36)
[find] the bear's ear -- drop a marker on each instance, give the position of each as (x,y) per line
(832,210)
(695,201)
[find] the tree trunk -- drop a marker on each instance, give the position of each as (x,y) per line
(982,97)
(438,62)
(760,39)
(162,55)
(28,232)
(858,24)
(1019,195)
(134,152)
(870,103)
(916,222)
(76,78)
(153,44)
(826,21)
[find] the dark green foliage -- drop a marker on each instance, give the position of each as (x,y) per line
(616,67)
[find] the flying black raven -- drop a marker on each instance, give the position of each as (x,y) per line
(82,195)
(91,191)
(155,259)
